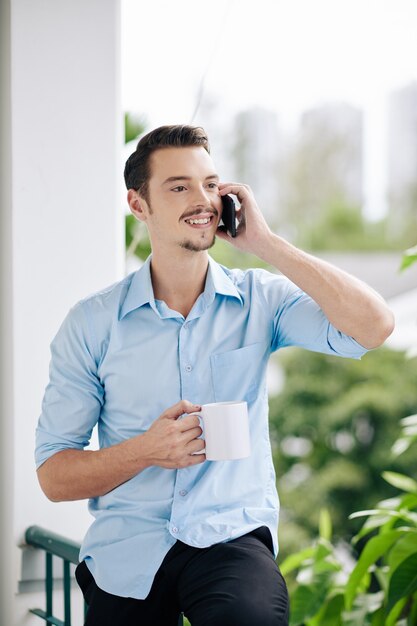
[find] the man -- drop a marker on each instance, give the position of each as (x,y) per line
(175,532)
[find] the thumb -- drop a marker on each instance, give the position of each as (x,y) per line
(180,408)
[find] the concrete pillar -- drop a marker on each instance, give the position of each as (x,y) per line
(61,231)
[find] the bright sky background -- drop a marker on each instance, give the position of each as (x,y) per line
(284,55)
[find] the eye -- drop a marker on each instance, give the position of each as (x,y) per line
(212,185)
(178,188)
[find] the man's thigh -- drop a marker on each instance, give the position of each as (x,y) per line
(234,583)
(160,608)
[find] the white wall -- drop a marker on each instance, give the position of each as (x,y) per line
(65,237)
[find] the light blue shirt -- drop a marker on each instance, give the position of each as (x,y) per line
(121,358)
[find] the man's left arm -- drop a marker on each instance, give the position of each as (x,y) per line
(350,305)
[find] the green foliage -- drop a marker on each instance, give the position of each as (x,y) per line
(344,228)
(134,126)
(409,257)
(331,415)
(381,588)
(137,240)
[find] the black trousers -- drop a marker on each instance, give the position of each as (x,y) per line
(236,583)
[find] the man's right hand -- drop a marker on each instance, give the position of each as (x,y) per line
(172,442)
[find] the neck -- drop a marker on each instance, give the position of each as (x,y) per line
(179,280)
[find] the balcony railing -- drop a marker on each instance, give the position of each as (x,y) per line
(67,550)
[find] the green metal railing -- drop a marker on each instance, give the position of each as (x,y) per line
(67,550)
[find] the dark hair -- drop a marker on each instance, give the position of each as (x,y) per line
(137,169)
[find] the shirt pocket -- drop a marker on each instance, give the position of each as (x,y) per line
(237,374)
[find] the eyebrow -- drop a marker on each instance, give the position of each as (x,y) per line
(173,179)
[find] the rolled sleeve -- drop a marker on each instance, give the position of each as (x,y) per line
(74,396)
(299,321)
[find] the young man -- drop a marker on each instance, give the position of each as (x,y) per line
(175,532)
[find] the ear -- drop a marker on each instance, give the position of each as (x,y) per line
(137,205)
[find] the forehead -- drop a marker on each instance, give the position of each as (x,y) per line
(191,161)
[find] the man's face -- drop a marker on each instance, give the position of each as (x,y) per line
(183,189)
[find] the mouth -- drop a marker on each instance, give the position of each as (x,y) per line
(200,222)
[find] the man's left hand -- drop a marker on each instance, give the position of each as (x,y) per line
(252,230)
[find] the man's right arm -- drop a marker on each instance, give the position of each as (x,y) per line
(170,443)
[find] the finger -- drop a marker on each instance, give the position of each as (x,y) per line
(189,422)
(192,434)
(196,446)
(237,189)
(195,459)
(180,408)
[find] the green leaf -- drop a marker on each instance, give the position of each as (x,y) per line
(395,613)
(401,445)
(374,549)
(294,561)
(365,605)
(411,420)
(404,547)
(378,618)
(409,257)
(303,604)
(324,548)
(331,612)
(405,483)
(368,512)
(371,524)
(409,501)
(403,581)
(325,524)
(412,618)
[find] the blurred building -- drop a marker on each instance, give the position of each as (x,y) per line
(257,149)
(219,127)
(337,131)
(402,156)
(324,168)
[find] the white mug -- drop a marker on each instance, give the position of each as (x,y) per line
(225,428)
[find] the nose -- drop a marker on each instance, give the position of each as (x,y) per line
(201,198)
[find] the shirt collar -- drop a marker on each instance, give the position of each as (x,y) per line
(140,290)
(218,281)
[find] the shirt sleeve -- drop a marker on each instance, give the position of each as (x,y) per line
(299,321)
(74,396)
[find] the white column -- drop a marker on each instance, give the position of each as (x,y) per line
(62,236)
(8,575)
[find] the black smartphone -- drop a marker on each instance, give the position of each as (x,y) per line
(229,215)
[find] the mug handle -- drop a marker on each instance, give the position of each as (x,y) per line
(200,419)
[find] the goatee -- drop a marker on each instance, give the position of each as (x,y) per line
(194,247)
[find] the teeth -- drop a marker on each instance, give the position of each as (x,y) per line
(201,221)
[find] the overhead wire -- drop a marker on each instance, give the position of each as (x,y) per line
(214,51)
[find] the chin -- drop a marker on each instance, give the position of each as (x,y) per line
(194,246)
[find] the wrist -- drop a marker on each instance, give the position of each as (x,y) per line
(137,453)
(270,248)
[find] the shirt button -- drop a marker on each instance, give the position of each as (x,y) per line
(188,368)
(183,492)
(174,529)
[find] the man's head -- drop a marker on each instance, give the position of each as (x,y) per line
(173,187)
(138,166)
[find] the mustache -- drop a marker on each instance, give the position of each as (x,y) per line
(200,211)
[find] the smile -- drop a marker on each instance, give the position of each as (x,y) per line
(202,221)
(205,220)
